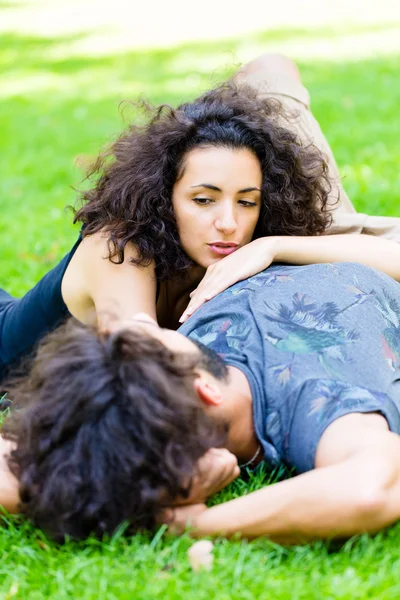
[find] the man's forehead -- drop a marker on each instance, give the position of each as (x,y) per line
(174,340)
(147,322)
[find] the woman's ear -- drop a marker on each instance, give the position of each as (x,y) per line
(207,390)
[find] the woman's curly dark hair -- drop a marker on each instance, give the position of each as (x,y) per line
(108,429)
(132,199)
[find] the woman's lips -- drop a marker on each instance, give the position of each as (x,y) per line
(222,250)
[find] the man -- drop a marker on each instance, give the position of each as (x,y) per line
(297,365)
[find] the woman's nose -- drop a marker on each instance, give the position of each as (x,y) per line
(226,222)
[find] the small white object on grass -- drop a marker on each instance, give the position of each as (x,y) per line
(200,555)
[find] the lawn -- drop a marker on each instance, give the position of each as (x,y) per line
(58,110)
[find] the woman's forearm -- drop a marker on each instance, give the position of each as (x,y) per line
(368,250)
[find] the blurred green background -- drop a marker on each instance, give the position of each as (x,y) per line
(63,82)
(65,69)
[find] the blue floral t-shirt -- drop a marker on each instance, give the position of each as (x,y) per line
(315,343)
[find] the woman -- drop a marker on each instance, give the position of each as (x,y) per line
(187,206)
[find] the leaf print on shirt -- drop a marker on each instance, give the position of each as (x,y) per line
(390,311)
(283,373)
(260,280)
(332,269)
(327,398)
(308,328)
(318,404)
(223,336)
(391,358)
(361,295)
(273,424)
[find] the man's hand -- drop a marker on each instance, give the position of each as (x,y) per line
(215,470)
(181,518)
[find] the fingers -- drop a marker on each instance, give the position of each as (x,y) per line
(180,518)
(193,305)
(165,516)
(184,517)
(214,471)
(245,262)
(220,467)
(209,287)
(229,468)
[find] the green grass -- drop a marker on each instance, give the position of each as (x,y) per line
(156,566)
(56,109)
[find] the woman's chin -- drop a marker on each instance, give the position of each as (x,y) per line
(211,261)
(204,262)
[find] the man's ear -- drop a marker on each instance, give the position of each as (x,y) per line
(208,391)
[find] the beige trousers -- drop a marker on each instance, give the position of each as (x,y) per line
(296,101)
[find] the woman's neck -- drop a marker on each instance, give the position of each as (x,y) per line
(195,275)
(174,296)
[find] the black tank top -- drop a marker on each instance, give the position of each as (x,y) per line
(24,321)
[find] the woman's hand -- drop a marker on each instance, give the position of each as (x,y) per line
(378,253)
(245,262)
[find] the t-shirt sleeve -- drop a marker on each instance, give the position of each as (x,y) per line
(319,402)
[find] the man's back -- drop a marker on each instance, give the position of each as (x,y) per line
(325,338)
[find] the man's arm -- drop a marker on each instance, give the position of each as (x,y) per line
(9,496)
(354,489)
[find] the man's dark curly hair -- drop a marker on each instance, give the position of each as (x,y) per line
(132,199)
(108,429)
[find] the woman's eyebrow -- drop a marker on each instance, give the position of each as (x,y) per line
(217,189)
(249,189)
(208,186)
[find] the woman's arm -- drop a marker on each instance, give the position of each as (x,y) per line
(97,290)
(379,253)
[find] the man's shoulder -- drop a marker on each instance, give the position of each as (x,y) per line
(328,270)
(323,282)
(329,275)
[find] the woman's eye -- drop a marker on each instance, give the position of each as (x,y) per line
(247,203)
(203,201)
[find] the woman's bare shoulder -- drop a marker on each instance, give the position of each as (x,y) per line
(94,281)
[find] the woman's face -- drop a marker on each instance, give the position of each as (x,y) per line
(217,202)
